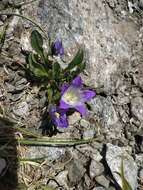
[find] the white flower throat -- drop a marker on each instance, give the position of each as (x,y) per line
(71,96)
(57,115)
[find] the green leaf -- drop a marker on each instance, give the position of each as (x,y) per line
(77,61)
(37,69)
(57,96)
(37,41)
(56,71)
(125,183)
(70,75)
(78,70)
(82,67)
(75,67)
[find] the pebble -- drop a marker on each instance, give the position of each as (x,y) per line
(141,174)
(137,108)
(90,133)
(95,169)
(9,87)
(99,188)
(25,42)
(12,25)
(3,17)
(96,156)
(114,155)
(2,164)
(52,184)
(51,153)
(75,172)
(139,160)
(22,109)
(20,88)
(111,188)
(74,118)
(87,180)
(90,151)
(16,97)
(84,123)
(130,7)
(104,108)
(102,180)
(61,178)
(1,23)
(141,4)
(21,81)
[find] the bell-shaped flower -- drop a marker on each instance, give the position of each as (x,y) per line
(75,96)
(58,117)
(57,48)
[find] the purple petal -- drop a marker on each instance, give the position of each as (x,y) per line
(81,109)
(63,105)
(77,82)
(62,121)
(57,48)
(58,116)
(61,111)
(88,95)
(61,52)
(64,88)
(58,44)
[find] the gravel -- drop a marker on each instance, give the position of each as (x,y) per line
(111,33)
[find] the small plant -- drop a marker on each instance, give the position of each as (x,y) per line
(64,86)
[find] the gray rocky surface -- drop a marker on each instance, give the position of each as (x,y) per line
(114,156)
(102,180)
(108,43)
(75,172)
(51,153)
(95,169)
(22,109)
(141,174)
(137,107)
(111,33)
(62,179)
(99,188)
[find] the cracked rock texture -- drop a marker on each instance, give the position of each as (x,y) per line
(114,158)
(111,33)
(109,39)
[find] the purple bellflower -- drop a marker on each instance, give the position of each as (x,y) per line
(57,48)
(74,96)
(58,116)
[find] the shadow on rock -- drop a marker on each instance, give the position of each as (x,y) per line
(47,126)
(8,157)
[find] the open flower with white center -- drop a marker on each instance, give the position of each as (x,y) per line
(75,96)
